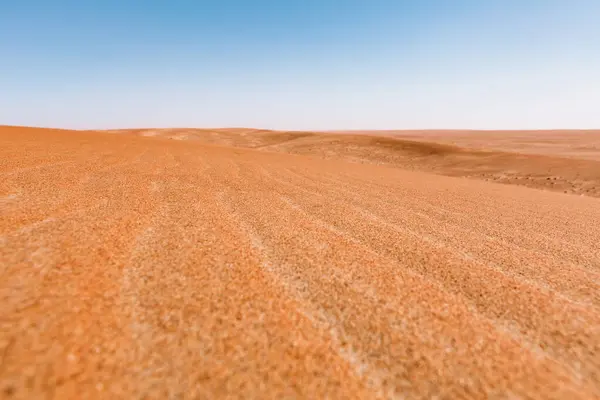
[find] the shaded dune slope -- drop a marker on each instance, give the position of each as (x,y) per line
(574,176)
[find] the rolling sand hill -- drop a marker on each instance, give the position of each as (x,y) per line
(261,264)
(567,162)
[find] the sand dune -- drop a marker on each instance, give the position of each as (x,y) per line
(260,264)
(579,144)
(561,161)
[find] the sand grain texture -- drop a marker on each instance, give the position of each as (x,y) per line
(136,266)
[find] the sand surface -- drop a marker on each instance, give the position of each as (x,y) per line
(560,161)
(237,264)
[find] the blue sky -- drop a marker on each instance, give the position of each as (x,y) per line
(301,64)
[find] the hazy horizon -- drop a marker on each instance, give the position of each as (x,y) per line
(257,128)
(301,65)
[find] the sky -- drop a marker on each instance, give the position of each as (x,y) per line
(301,64)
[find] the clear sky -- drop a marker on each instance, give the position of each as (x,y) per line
(301,64)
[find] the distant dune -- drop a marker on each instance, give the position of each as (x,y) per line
(563,161)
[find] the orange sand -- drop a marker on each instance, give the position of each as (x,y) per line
(135,266)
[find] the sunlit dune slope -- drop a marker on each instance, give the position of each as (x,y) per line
(144,267)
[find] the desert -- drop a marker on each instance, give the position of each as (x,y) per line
(247,263)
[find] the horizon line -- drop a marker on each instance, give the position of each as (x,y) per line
(354,130)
